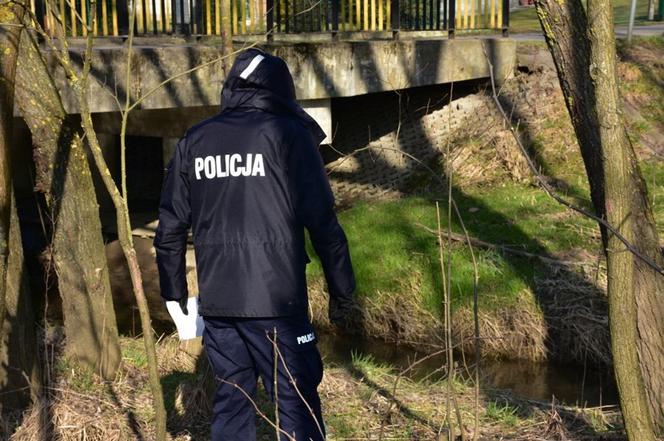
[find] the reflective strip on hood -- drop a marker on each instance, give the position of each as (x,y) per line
(252,66)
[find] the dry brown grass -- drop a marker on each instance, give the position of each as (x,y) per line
(515,333)
(394,318)
(565,318)
(358,399)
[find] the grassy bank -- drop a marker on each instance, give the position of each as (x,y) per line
(525,20)
(534,255)
(361,400)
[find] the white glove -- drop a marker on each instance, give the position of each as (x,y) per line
(189,326)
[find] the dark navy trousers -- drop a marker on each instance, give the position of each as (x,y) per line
(242,349)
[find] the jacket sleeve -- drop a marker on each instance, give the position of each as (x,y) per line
(314,207)
(170,242)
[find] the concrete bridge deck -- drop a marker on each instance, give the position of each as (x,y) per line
(322,71)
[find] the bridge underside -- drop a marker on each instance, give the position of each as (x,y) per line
(321,70)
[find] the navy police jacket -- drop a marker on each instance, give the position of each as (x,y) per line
(248,182)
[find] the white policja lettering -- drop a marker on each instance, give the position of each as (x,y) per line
(222,166)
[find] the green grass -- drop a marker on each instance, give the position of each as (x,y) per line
(393,253)
(653,174)
(133,352)
(525,20)
(79,377)
(646,89)
(503,413)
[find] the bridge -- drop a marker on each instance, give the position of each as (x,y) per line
(336,50)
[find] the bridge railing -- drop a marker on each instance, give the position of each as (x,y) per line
(271,17)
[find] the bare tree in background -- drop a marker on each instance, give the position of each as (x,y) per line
(11,17)
(20,372)
(63,174)
(583,48)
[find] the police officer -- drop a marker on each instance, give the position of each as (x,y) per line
(248,181)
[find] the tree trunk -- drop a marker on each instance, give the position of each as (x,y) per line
(63,173)
(11,17)
(126,242)
(651,10)
(20,374)
(585,57)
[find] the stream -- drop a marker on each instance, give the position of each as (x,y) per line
(568,383)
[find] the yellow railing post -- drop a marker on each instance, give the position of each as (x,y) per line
(373,15)
(388,14)
(243,18)
(217,17)
(208,18)
(168,15)
(149,6)
(104,18)
(380,15)
(72,18)
(234,5)
(499,22)
(84,18)
(114,16)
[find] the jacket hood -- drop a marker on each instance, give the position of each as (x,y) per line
(262,81)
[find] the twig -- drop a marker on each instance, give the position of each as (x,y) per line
(481,243)
(297,390)
(256,408)
(547,188)
(275,382)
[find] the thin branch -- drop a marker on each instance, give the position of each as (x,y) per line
(256,408)
(483,244)
(297,390)
(275,381)
(549,191)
